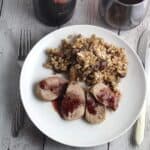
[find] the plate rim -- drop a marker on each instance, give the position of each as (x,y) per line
(83,145)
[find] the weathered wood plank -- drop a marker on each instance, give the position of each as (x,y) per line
(12,21)
(30,138)
(126,142)
(17,15)
(9,77)
(57,146)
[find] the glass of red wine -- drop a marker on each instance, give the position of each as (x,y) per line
(123,14)
(54,12)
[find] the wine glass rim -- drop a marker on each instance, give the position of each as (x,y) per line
(134,4)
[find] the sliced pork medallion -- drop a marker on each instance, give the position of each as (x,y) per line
(73,102)
(50,88)
(94,112)
(106,96)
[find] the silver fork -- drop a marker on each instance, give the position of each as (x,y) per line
(24,48)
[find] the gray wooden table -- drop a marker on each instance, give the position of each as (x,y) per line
(17,15)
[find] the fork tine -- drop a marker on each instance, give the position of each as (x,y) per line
(20,47)
(29,40)
(24,44)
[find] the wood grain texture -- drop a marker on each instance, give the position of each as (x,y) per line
(17,15)
(127,141)
(29,138)
(14,19)
(56,146)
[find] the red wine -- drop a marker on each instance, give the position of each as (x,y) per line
(130,1)
(123,14)
(54,12)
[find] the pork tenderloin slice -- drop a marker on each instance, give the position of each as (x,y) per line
(94,112)
(50,88)
(106,96)
(73,102)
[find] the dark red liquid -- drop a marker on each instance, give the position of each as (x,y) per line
(54,12)
(69,104)
(91,106)
(55,104)
(130,1)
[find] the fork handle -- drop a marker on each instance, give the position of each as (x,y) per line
(18,120)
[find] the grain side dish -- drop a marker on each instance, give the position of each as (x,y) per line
(90,60)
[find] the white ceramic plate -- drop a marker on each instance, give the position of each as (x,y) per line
(79,133)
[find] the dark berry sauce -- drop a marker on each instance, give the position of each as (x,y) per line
(69,104)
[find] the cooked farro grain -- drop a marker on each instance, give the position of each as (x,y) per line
(91,60)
